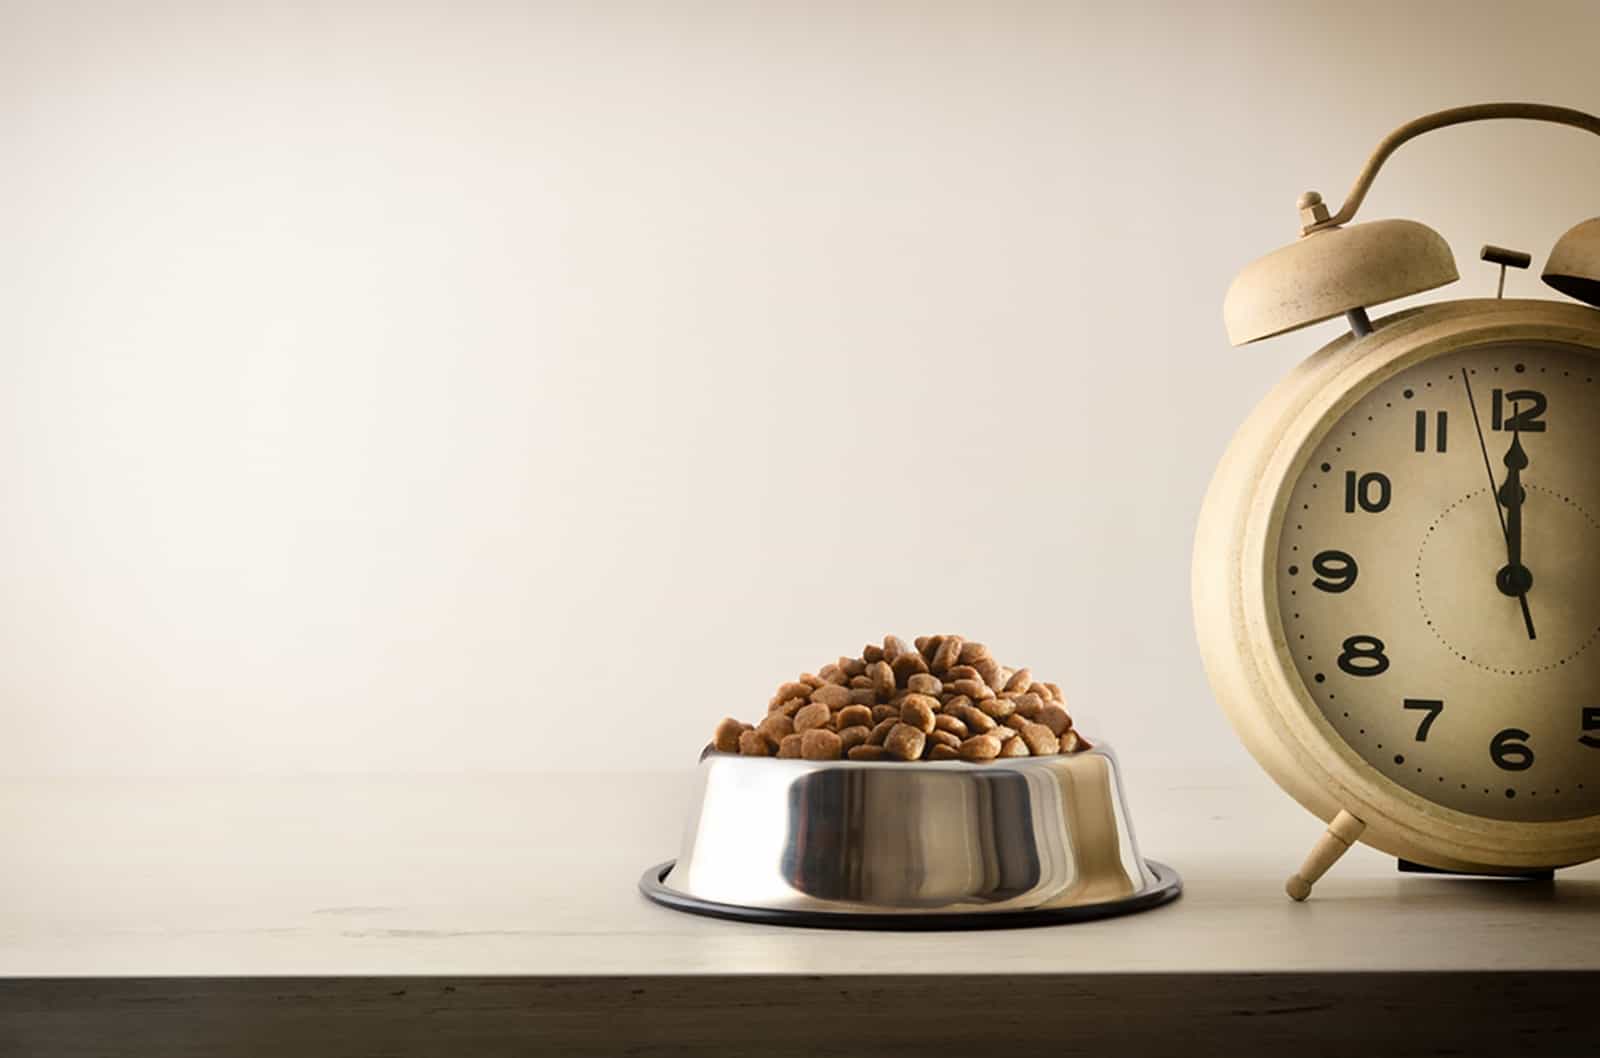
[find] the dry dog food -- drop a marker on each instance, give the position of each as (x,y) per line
(942,698)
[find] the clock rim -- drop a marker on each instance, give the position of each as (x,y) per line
(1247,657)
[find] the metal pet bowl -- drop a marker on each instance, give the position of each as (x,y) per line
(930,845)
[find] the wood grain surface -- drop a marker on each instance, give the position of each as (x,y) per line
(1240,1015)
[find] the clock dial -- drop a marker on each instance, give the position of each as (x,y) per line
(1438,579)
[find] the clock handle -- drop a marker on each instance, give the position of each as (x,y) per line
(1318,220)
(1340,835)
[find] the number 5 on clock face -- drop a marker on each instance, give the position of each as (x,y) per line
(1591,728)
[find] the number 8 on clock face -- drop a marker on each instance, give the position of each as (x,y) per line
(1437,573)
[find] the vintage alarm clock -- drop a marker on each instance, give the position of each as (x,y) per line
(1397,567)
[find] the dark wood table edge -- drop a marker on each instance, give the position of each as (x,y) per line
(1238,1014)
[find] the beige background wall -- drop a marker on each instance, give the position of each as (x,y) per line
(461,386)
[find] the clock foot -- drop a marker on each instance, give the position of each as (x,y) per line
(1545,875)
(1335,842)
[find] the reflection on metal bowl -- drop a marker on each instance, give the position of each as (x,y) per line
(931,845)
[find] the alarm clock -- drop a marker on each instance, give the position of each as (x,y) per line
(1397,566)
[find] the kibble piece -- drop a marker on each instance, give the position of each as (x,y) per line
(775,728)
(1055,718)
(1029,705)
(980,747)
(972,689)
(851,737)
(852,667)
(974,718)
(790,746)
(943,738)
(811,679)
(880,731)
(921,643)
(971,653)
(905,742)
(794,689)
(946,722)
(1055,692)
(989,672)
(943,752)
(1004,733)
(882,678)
(820,744)
(1020,680)
(948,655)
(893,647)
(924,683)
(852,716)
(1072,742)
(1015,747)
(831,695)
(885,712)
(868,752)
(871,652)
(907,665)
(813,716)
(999,708)
(726,739)
(861,683)
(868,697)
(1016,722)
(754,744)
(790,707)
(960,672)
(918,711)
(1042,742)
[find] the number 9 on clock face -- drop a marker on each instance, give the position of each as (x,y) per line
(1437,579)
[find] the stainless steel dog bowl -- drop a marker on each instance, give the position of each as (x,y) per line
(931,845)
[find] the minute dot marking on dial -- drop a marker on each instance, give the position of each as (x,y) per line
(1423,605)
(1399,759)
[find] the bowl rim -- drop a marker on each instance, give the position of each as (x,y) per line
(1099,748)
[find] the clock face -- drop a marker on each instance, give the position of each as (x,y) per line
(1438,577)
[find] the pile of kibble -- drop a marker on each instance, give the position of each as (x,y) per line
(945,698)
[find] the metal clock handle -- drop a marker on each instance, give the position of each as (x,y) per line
(1443,119)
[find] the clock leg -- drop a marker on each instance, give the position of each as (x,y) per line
(1340,835)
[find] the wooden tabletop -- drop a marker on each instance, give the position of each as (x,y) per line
(229,893)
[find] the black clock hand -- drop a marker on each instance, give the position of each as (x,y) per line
(1505,529)
(1515,579)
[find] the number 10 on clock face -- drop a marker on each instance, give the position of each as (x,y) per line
(1438,579)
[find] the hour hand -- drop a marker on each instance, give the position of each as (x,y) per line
(1515,579)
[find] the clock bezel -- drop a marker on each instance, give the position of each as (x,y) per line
(1248,659)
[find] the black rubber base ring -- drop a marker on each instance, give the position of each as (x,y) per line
(1167,888)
